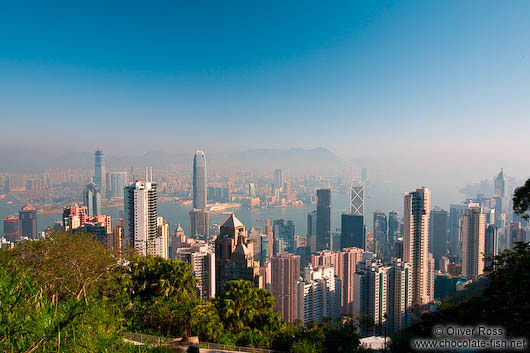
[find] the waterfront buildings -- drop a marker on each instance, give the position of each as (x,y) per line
(199,181)
(323,223)
(199,216)
(118,181)
(28,221)
(92,199)
(11,231)
(99,171)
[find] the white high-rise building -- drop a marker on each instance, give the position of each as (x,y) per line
(382,294)
(417,209)
(202,261)
(370,284)
(140,215)
(158,246)
(473,235)
(318,295)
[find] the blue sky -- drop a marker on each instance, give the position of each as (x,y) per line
(363,78)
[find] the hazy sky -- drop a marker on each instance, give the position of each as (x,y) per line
(441,80)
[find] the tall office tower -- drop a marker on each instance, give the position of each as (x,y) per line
(92,200)
(202,261)
(199,181)
(312,230)
(99,171)
(516,234)
(357,198)
(490,244)
(438,238)
(323,239)
(318,295)
(140,215)
(370,298)
(285,273)
(199,223)
(233,255)
(393,226)
(270,236)
(284,230)
(344,262)
(500,184)
(352,231)
(118,182)
(455,214)
(380,235)
(473,239)
(11,228)
(252,190)
(278,179)
(265,254)
(417,208)
(28,221)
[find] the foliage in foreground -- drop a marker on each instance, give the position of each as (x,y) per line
(69,293)
(505,302)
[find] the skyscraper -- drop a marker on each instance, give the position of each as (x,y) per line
(393,226)
(278,179)
(28,221)
(323,238)
(140,215)
(344,263)
(473,241)
(455,214)
(380,234)
(285,272)
(99,171)
(318,295)
(357,198)
(199,223)
(500,184)
(312,230)
(92,200)
(352,231)
(438,237)
(417,208)
(491,244)
(199,181)
(11,232)
(202,262)
(118,181)
(199,216)
(371,296)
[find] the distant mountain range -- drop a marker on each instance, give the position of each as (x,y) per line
(295,160)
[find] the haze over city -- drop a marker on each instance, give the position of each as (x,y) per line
(355,169)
